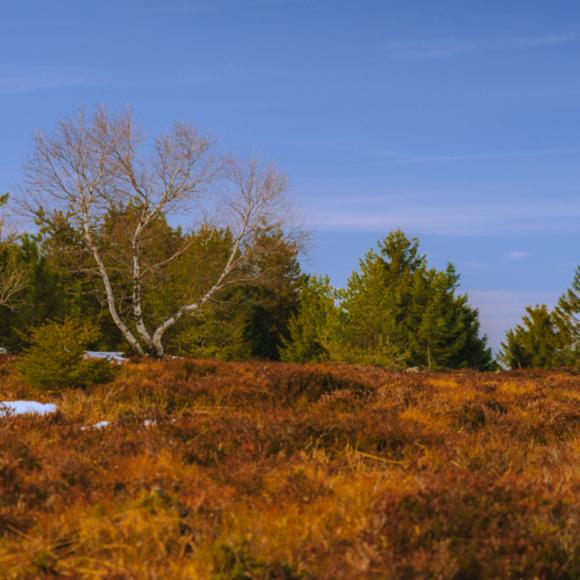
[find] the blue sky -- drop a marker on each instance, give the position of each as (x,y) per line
(457,121)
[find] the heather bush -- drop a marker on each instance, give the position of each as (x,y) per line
(55,358)
(237,562)
(286,471)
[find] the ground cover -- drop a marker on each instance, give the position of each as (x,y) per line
(200,469)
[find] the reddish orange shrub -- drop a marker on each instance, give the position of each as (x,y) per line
(259,470)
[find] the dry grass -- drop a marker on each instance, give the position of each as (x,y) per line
(288,471)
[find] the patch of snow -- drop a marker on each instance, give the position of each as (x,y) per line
(110,356)
(102,424)
(99,425)
(11,408)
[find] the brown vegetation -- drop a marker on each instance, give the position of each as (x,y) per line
(287,471)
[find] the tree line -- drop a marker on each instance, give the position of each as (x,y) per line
(544,338)
(228,283)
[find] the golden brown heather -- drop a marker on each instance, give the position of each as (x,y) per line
(286,471)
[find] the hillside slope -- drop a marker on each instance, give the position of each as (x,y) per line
(257,470)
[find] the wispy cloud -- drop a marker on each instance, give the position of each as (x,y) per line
(443,215)
(518,255)
(501,309)
(208,6)
(40,78)
(376,152)
(398,159)
(545,40)
(423,50)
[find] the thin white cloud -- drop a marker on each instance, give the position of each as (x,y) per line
(210,6)
(545,40)
(500,310)
(444,215)
(434,49)
(518,255)
(39,78)
(396,159)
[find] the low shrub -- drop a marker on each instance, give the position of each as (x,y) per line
(236,562)
(223,470)
(55,358)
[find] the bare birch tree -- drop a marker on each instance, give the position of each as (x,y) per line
(12,279)
(90,168)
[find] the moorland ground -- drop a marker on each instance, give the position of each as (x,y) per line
(257,470)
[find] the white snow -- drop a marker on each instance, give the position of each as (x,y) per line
(11,408)
(110,356)
(99,425)
(102,424)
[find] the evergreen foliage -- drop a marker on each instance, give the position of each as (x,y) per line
(308,329)
(398,312)
(567,320)
(248,322)
(55,359)
(242,323)
(395,310)
(40,297)
(547,339)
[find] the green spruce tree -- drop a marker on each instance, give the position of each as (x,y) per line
(567,320)
(534,342)
(248,322)
(547,339)
(398,312)
(309,329)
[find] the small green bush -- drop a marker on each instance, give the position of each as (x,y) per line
(55,359)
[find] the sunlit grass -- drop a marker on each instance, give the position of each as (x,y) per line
(213,470)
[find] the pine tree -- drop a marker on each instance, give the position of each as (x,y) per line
(567,320)
(534,342)
(39,299)
(475,353)
(248,322)
(397,312)
(444,329)
(368,327)
(54,357)
(440,334)
(308,329)
(272,300)
(547,339)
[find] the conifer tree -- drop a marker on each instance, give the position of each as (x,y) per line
(309,328)
(248,322)
(440,334)
(398,312)
(547,339)
(39,297)
(567,320)
(271,301)
(369,325)
(534,342)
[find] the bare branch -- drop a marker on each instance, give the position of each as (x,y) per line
(12,279)
(93,169)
